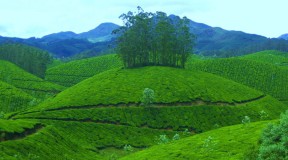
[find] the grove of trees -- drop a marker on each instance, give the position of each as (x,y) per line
(31,59)
(153,39)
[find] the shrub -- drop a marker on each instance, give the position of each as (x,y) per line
(148,97)
(128,148)
(163,139)
(176,137)
(274,141)
(246,120)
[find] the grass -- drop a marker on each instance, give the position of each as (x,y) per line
(13,99)
(27,82)
(232,142)
(262,76)
(171,85)
(71,73)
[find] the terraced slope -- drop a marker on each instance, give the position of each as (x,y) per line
(183,99)
(273,57)
(77,140)
(71,73)
(27,82)
(13,99)
(232,142)
(171,85)
(262,76)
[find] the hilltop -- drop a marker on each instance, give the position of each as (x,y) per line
(71,73)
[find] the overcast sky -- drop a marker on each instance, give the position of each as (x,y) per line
(36,18)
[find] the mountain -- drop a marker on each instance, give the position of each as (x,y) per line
(284,36)
(210,41)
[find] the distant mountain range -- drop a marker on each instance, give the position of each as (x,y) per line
(284,36)
(210,41)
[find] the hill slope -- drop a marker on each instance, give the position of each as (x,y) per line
(71,73)
(262,76)
(124,86)
(13,99)
(27,82)
(231,142)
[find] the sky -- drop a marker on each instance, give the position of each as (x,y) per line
(36,18)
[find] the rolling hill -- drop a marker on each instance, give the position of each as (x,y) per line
(73,72)
(114,97)
(27,82)
(98,117)
(266,77)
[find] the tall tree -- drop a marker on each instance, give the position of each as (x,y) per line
(153,39)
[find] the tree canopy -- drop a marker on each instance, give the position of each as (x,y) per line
(154,39)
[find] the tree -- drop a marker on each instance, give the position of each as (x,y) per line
(153,39)
(274,141)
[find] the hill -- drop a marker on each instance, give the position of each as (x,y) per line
(284,36)
(273,57)
(170,85)
(211,41)
(262,76)
(183,99)
(13,99)
(71,73)
(35,86)
(233,142)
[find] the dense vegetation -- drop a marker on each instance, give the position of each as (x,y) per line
(263,76)
(71,73)
(35,86)
(232,142)
(13,99)
(153,39)
(31,59)
(171,85)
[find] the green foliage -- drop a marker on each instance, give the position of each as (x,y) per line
(13,99)
(274,140)
(263,115)
(29,58)
(226,142)
(128,148)
(173,85)
(17,126)
(78,140)
(27,82)
(153,39)
(276,58)
(209,144)
(176,137)
(264,77)
(148,97)
(162,139)
(71,73)
(197,118)
(246,120)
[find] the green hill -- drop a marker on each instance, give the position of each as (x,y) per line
(273,57)
(232,142)
(73,72)
(13,99)
(183,99)
(27,82)
(262,76)
(171,85)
